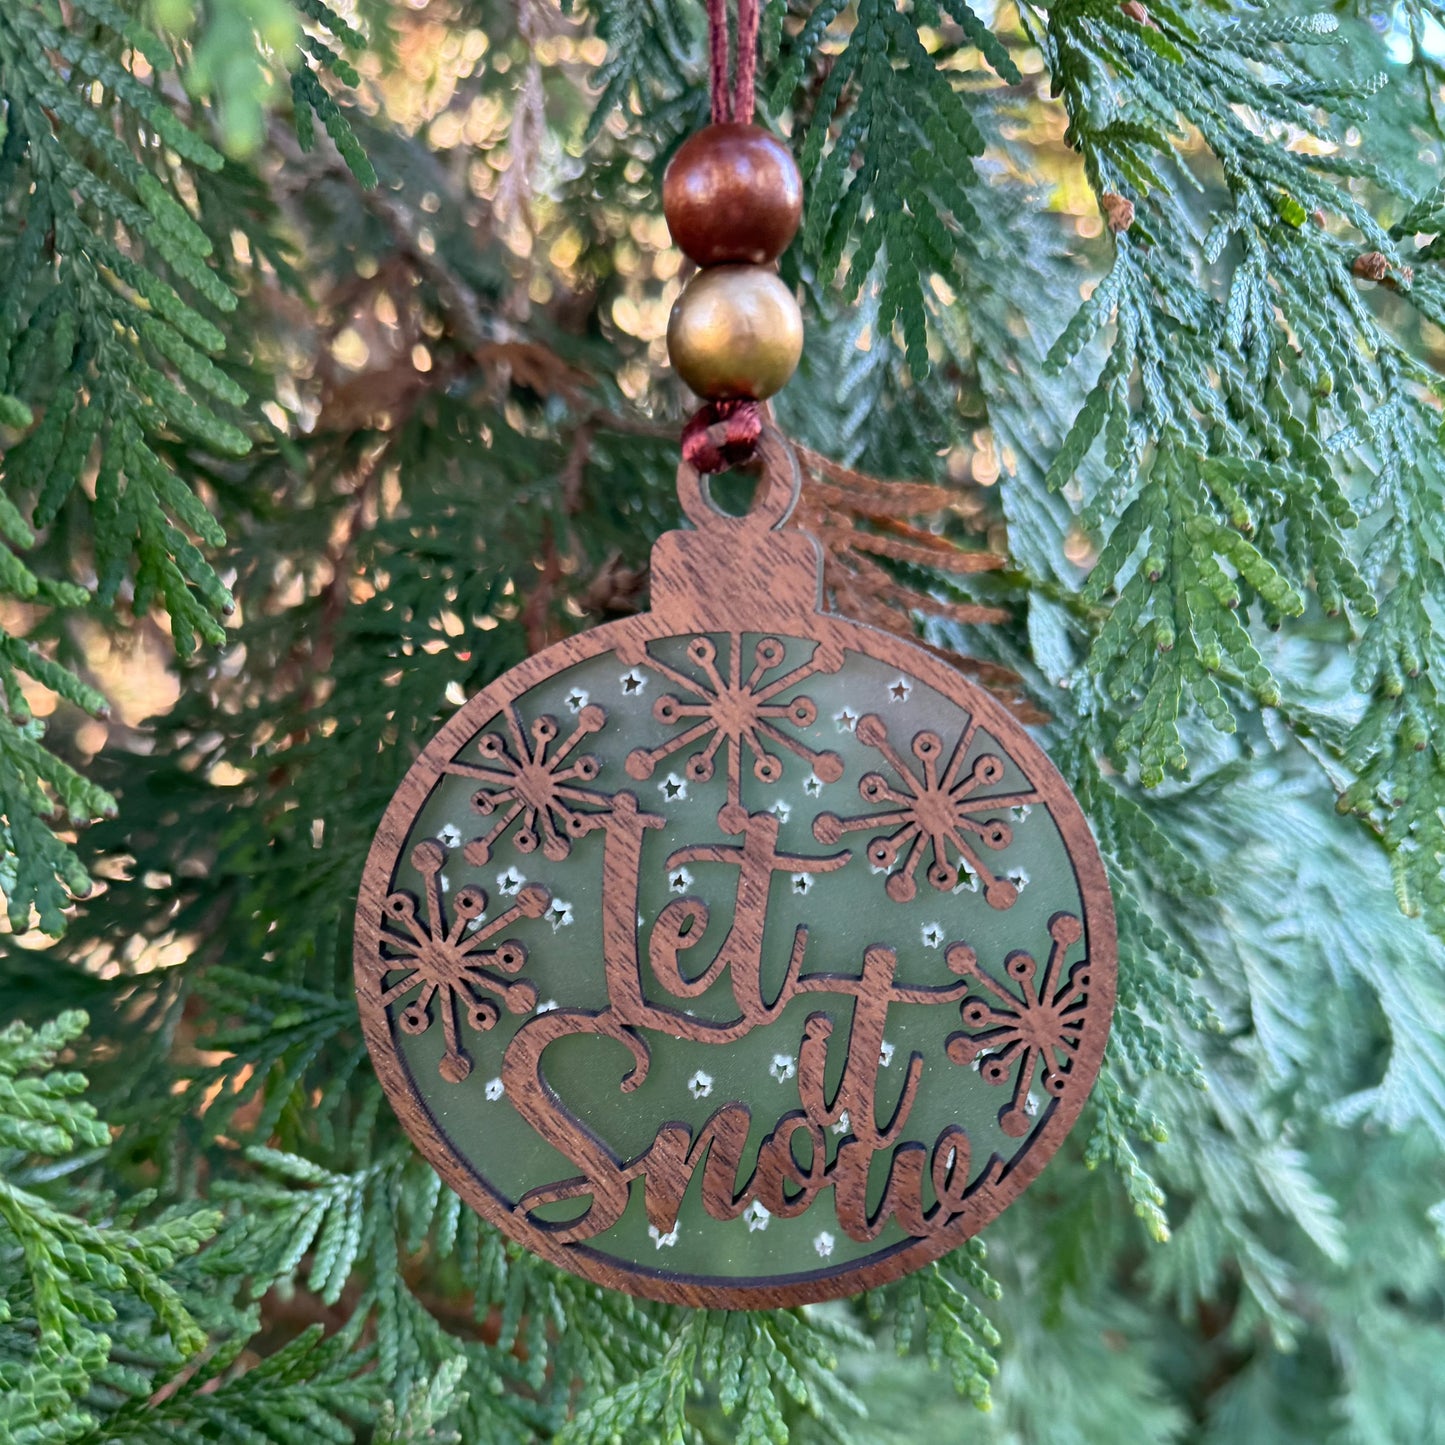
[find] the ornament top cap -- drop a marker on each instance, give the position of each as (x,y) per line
(745,571)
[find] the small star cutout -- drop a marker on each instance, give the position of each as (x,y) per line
(577,700)
(782,810)
(511,882)
(633,682)
(844,1123)
(900,690)
(813,785)
(680,881)
(449,836)
(885,1054)
(672,787)
(824,1244)
(847,720)
(783,1067)
(559,915)
(494,1090)
(932,935)
(661,1240)
(757,1216)
(802,882)
(700,1085)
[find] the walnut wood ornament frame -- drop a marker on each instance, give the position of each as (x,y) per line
(742,836)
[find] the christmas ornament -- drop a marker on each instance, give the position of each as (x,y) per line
(736,954)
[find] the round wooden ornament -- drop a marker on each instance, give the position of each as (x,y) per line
(736,954)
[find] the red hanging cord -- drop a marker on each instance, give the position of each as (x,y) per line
(717,41)
(725,434)
(734,95)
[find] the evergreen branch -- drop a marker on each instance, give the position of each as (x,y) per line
(956,1334)
(64,1279)
(98,342)
(1245,401)
(888,190)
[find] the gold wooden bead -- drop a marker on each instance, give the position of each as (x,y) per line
(735,332)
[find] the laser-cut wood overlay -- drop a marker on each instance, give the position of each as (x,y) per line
(736,954)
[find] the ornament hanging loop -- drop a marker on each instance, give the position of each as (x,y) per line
(782,485)
(750,572)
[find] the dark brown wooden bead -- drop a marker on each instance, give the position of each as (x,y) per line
(732,194)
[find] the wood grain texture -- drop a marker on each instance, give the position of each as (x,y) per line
(1036,1017)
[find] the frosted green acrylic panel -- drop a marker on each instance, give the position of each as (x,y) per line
(870,741)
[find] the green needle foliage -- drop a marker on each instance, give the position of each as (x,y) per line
(332,385)
(108,330)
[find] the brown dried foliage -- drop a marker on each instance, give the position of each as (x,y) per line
(863,521)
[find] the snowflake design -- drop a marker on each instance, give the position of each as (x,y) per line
(449,961)
(931,808)
(1040,1027)
(518,779)
(741,713)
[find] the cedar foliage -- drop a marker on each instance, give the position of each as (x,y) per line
(1144,296)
